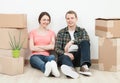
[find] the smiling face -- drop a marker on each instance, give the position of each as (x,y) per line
(45,20)
(71,20)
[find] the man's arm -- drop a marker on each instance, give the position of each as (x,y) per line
(58,44)
(84,36)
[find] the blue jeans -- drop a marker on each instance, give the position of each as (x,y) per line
(38,61)
(81,57)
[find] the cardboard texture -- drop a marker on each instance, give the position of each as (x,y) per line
(11,66)
(23,53)
(109,54)
(4,36)
(107,28)
(13,20)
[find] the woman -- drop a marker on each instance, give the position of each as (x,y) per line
(42,40)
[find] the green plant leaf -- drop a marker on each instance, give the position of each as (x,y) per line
(16,45)
(22,43)
(11,42)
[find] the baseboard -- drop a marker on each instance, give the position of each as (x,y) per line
(94,61)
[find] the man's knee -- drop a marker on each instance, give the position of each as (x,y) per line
(85,43)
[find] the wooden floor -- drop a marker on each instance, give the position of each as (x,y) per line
(35,76)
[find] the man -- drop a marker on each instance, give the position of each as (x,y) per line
(73,48)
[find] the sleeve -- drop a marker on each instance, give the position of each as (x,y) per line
(53,34)
(31,35)
(58,45)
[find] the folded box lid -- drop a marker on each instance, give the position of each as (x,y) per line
(107,19)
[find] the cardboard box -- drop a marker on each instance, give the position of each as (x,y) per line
(11,66)
(23,52)
(13,20)
(108,28)
(5,39)
(109,54)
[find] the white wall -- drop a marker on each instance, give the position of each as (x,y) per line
(87,11)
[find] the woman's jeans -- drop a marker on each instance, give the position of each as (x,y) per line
(81,57)
(39,61)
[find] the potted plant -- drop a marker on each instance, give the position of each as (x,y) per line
(16,45)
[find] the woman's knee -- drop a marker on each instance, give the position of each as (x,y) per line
(33,58)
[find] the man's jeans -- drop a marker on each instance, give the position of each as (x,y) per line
(39,61)
(81,57)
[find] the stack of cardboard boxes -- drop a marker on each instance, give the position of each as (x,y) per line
(108,31)
(13,24)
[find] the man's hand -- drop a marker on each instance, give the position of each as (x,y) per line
(68,46)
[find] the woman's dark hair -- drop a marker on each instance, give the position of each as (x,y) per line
(42,14)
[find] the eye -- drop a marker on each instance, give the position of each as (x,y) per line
(67,18)
(46,20)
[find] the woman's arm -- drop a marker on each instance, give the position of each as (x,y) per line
(33,47)
(50,46)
